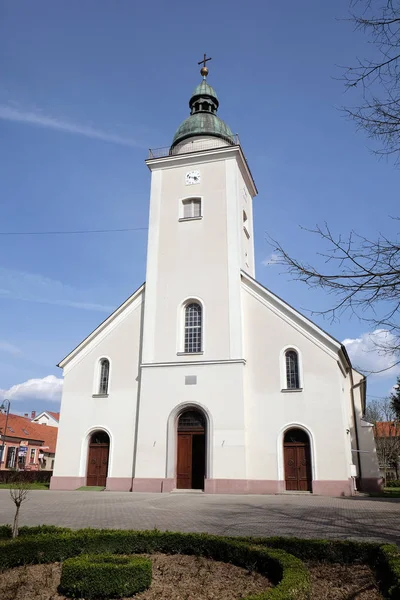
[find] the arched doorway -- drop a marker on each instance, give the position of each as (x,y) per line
(97,467)
(297,460)
(191,460)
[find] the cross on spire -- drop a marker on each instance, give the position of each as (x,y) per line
(204,69)
(205,59)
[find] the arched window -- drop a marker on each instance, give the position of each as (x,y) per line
(193,327)
(104,375)
(292,370)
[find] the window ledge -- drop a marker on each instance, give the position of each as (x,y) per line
(189,353)
(189,219)
(99,395)
(291,390)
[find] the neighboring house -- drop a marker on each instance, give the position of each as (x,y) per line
(387,439)
(203,378)
(28,446)
(46,418)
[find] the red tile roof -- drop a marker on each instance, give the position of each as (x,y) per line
(55,415)
(23,429)
(387,429)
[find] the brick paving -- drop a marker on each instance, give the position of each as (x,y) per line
(375,519)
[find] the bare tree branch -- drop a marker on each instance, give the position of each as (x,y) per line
(379,77)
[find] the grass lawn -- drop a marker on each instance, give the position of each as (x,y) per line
(32,486)
(388,492)
(90,488)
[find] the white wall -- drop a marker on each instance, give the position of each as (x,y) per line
(218,392)
(269,411)
(195,259)
(82,413)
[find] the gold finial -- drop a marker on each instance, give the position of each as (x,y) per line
(204,70)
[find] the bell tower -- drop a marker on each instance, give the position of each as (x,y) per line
(200,232)
(200,239)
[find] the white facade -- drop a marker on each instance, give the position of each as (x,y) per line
(237,377)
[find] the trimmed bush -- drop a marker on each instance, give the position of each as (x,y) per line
(389,570)
(105,576)
(393,483)
(330,551)
(11,476)
(288,572)
(6,530)
(37,544)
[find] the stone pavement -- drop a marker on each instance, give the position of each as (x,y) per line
(289,515)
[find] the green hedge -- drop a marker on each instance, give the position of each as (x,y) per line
(51,544)
(288,572)
(105,576)
(389,569)
(393,483)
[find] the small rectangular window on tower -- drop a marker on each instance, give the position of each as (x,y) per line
(191,208)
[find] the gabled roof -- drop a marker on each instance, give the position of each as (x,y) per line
(102,326)
(286,310)
(50,438)
(49,413)
(55,415)
(21,428)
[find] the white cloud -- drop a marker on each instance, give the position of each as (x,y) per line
(367,353)
(272,259)
(33,287)
(47,389)
(30,117)
(9,348)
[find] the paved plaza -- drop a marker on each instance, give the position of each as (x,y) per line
(305,516)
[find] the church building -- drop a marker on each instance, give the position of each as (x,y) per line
(203,378)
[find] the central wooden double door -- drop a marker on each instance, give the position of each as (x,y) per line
(297,461)
(191,450)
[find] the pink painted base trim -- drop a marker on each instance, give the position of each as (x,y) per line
(242,486)
(141,484)
(66,483)
(333,488)
(371,485)
(119,484)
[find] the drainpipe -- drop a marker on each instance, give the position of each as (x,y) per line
(352,386)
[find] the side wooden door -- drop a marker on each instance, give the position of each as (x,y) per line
(303,469)
(184,462)
(297,467)
(290,457)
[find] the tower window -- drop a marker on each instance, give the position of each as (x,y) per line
(191,208)
(104,376)
(244,216)
(193,328)
(292,370)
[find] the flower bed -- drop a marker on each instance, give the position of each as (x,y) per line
(279,559)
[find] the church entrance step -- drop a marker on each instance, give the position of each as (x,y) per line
(182,491)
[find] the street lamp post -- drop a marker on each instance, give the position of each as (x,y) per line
(5,405)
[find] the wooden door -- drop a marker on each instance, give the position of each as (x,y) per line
(97,465)
(297,467)
(303,468)
(184,462)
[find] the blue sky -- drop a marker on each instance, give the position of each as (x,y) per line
(89,86)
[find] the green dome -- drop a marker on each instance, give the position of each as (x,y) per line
(203,120)
(204,124)
(203,89)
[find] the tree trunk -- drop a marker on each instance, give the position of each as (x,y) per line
(15,524)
